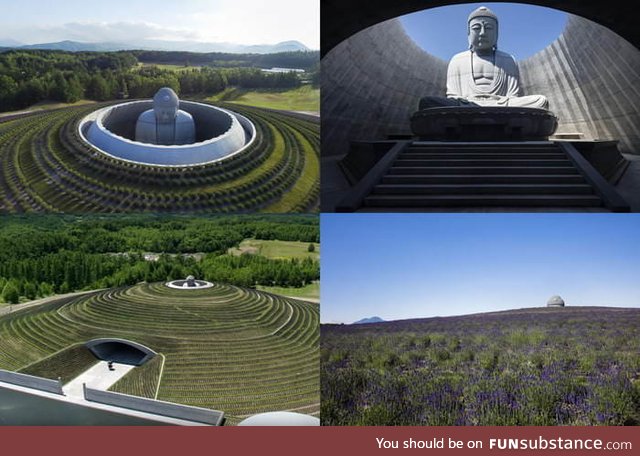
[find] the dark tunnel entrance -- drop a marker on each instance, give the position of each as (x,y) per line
(120,351)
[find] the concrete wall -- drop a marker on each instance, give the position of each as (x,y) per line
(372,83)
(592,79)
(29,381)
(183,412)
(209,123)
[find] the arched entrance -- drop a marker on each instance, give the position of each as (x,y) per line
(120,351)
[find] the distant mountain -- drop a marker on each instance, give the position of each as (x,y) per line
(76,46)
(8,42)
(369,320)
(158,45)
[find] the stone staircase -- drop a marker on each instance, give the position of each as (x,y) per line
(473,176)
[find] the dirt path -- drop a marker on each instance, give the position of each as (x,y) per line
(38,302)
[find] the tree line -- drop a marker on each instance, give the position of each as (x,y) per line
(30,76)
(43,255)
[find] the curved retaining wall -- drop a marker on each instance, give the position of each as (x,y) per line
(109,130)
(592,79)
(372,82)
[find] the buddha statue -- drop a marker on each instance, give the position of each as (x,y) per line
(165,124)
(483,75)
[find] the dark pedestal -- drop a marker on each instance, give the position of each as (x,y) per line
(483,123)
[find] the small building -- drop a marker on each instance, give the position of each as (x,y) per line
(555,301)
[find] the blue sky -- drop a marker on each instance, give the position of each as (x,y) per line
(399,266)
(523,29)
(237,21)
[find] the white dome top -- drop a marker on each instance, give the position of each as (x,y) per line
(280,419)
(555,301)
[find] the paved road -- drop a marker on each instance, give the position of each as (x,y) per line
(38,302)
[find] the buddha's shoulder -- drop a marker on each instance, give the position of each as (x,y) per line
(147,117)
(504,55)
(183,116)
(461,56)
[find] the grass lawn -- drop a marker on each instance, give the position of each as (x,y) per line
(169,66)
(304,98)
(276,249)
(311,291)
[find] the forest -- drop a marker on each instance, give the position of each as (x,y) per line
(30,76)
(45,255)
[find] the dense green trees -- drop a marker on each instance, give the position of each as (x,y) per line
(10,293)
(30,76)
(42,255)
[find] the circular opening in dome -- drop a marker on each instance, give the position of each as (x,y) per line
(190,283)
(219,134)
(209,121)
(523,30)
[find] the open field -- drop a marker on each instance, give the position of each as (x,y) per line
(168,66)
(276,250)
(44,166)
(226,348)
(304,98)
(538,366)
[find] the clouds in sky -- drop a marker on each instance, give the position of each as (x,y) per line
(109,32)
(236,21)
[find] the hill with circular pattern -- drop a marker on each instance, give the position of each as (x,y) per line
(46,167)
(227,348)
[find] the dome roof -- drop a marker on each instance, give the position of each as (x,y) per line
(280,419)
(555,301)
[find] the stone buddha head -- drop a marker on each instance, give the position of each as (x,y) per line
(165,105)
(483,30)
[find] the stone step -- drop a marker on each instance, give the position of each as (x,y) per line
(439,155)
(485,150)
(399,201)
(483,189)
(483,179)
(460,170)
(484,146)
(479,162)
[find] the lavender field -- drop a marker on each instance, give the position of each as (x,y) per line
(542,366)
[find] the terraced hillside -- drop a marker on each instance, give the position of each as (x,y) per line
(45,166)
(227,348)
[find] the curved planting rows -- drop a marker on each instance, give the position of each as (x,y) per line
(45,166)
(228,348)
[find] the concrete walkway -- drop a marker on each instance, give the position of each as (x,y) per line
(97,377)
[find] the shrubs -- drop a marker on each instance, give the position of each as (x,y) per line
(575,368)
(47,167)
